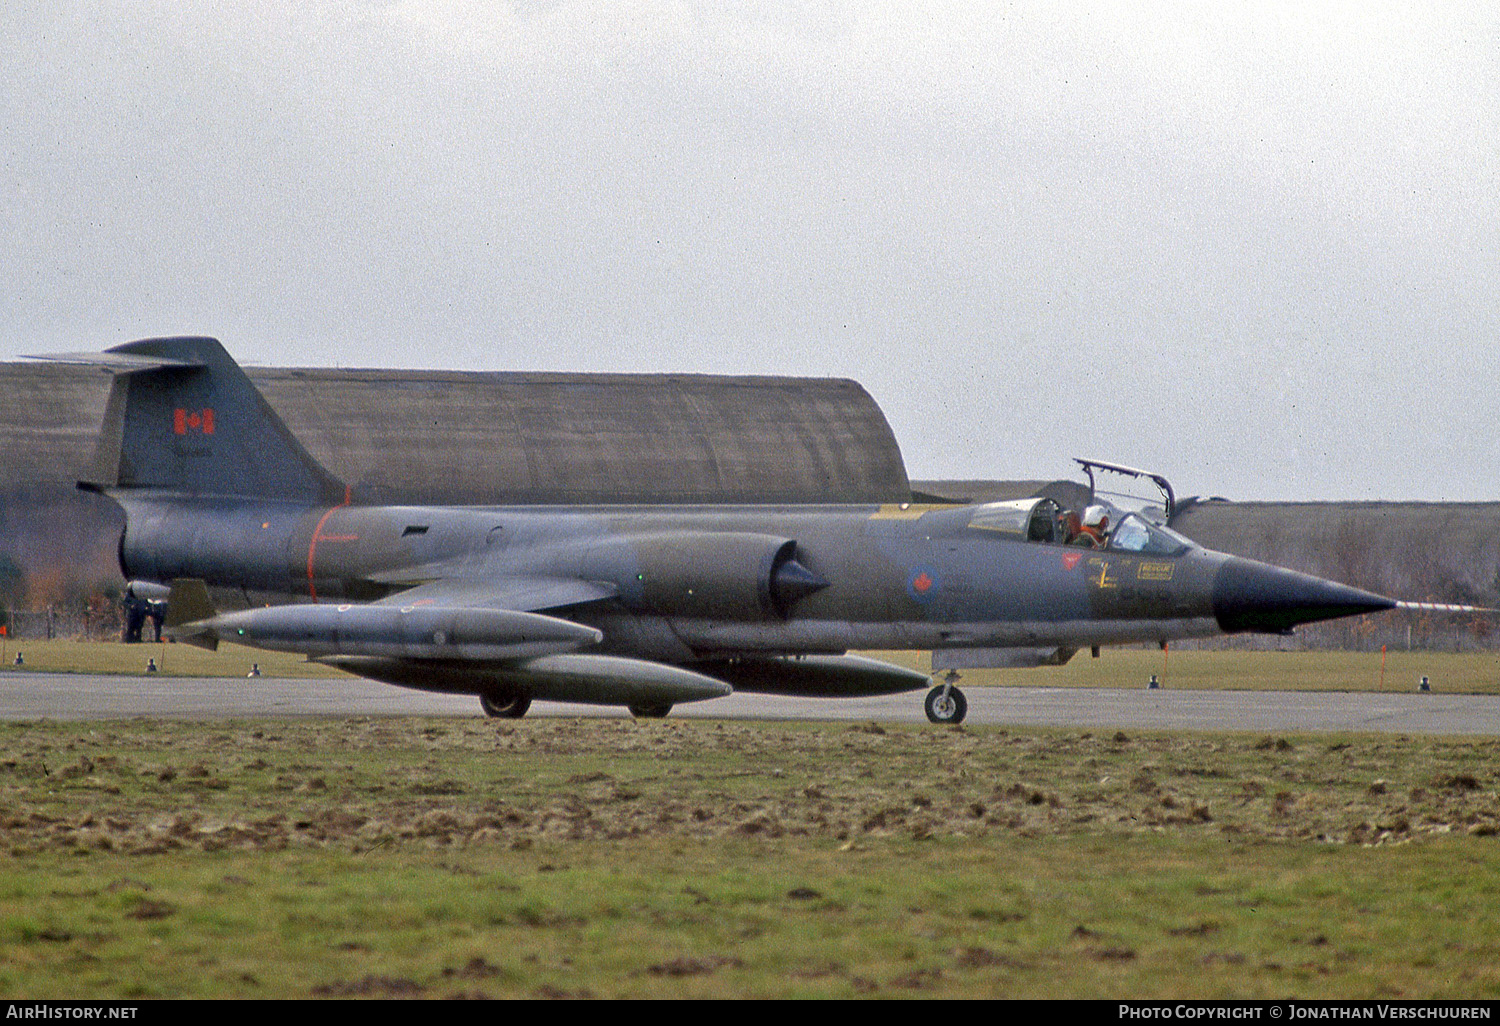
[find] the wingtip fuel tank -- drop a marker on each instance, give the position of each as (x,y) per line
(395,632)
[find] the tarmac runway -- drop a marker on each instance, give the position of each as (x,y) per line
(38,696)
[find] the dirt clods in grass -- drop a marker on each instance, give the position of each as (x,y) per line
(146,909)
(693,965)
(477,968)
(982,958)
(371,784)
(371,986)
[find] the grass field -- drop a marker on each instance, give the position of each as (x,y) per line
(63,656)
(1248,670)
(616,858)
(1454,673)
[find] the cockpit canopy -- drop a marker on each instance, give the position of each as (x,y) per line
(1035,520)
(1044,520)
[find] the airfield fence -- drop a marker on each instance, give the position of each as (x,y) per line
(1396,631)
(46,624)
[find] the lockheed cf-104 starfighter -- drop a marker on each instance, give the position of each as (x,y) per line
(636,606)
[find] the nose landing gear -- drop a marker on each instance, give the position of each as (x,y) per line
(945,703)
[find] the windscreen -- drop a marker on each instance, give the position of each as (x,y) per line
(1135,534)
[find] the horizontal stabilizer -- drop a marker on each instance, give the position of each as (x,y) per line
(117,363)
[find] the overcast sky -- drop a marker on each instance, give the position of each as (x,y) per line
(1253,246)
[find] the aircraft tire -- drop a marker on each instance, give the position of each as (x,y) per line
(505,706)
(951,708)
(651,710)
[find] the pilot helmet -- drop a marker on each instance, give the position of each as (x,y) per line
(1095,516)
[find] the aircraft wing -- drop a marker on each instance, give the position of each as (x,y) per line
(522,594)
(506,639)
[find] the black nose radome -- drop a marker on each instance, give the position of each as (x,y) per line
(1251,596)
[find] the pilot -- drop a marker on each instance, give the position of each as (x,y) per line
(1069,526)
(1094,530)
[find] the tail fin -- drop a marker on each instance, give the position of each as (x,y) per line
(183,417)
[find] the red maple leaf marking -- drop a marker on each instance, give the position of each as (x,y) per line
(184,421)
(921,582)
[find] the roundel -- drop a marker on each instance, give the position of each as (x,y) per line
(922,582)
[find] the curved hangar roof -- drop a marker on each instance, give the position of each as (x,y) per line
(405,436)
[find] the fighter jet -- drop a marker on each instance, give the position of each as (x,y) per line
(636,606)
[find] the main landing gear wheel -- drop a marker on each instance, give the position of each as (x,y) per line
(946,704)
(511,707)
(651,710)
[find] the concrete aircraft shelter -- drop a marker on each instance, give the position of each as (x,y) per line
(443,437)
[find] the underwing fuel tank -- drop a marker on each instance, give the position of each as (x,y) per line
(464,634)
(572,677)
(816,676)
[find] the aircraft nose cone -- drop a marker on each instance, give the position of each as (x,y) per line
(1251,596)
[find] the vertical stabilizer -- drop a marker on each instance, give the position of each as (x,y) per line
(183,417)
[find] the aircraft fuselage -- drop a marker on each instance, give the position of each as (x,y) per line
(896,577)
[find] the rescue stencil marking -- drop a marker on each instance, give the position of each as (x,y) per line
(1154,572)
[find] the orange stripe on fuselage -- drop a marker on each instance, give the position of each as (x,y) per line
(312,545)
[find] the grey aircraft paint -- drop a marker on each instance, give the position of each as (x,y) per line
(643,606)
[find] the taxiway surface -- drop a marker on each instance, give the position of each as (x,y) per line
(35,696)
